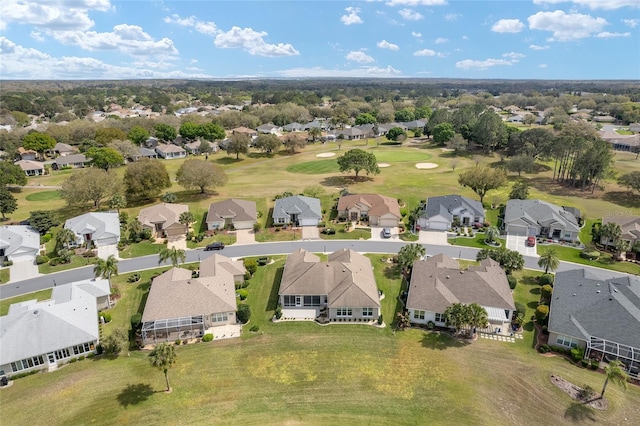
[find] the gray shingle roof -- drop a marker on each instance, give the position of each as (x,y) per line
(583,305)
(445,204)
(305,207)
(71,159)
(538,212)
(439,282)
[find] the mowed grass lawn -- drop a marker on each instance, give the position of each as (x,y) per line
(297,372)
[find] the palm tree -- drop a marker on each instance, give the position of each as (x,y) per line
(622,246)
(478,317)
(549,260)
(63,238)
(163,356)
(409,254)
(611,232)
(491,234)
(105,268)
(615,372)
(315,132)
(173,254)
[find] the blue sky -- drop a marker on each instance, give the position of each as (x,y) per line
(524,39)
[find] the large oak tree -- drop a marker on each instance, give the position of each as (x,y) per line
(146,179)
(358,160)
(200,174)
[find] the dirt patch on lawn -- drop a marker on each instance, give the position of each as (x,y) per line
(574,392)
(426,165)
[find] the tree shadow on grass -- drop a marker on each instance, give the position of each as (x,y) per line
(272,303)
(442,341)
(622,198)
(534,290)
(228,160)
(533,304)
(335,181)
(579,412)
(134,394)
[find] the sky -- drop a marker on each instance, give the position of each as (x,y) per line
(517,39)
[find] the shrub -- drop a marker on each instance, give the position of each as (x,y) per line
(178,342)
(106,316)
(242,294)
(198,238)
(513,281)
(594,364)
(586,393)
(520,308)
(590,254)
(89,253)
(380,320)
(123,217)
(244,313)
(116,342)
(278,312)
(207,337)
(255,328)
(431,325)
(544,348)
(251,266)
(41,260)
(542,312)
(146,234)
(7,263)
(546,292)
(134,278)
(72,360)
(135,320)
(585,363)
(256,227)
(169,197)
(545,279)
(577,354)
(45,238)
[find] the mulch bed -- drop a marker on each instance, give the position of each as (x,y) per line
(573,391)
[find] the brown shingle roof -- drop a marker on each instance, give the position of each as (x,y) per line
(166,213)
(346,278)
(438,282)
(379,205)
(238,210)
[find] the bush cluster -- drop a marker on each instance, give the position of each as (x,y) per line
(106,316)
(545,279)
(41,260)
(512,281)
(242,294)
(207,337)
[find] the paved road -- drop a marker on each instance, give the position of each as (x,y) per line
(263,249)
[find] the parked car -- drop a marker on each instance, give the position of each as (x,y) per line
(329,231)
(531,241)
(386,233)
(214,246)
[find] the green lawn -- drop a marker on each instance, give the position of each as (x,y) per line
(476,241)
(299,372)
(605,261)
(341,234)
(76,262)
(317,167)
(400,155)
(43,196)
(38,295)
(5,275)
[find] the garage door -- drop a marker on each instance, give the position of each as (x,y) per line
(520,231)
(308,222)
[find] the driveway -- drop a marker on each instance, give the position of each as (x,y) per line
(23,270)
(245,236)
(433,237)
(376,234)
(310,233)
(519,243)
(108,250)
(179,242)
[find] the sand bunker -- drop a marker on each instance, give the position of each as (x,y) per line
(426,165)
(382,165)
(326,154)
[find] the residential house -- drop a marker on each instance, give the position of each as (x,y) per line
(245,130)
(378,210)
(180,306)
(151,142)
(415,124)
(194,147)
(31,168)
(63,149)
(343,288)
(164,219)
(142,152)
(441,213)
(350,134)
(629,227)
(170,151)
(438,282)
(543,219)
(19,243)
(601,316)
(293,127)
(269,129)
(297,210)
(634,127)
(240,214)
(27,154)
(42,335)
(101,229)
(316,123)
(74,161)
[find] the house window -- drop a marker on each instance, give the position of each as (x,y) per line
(219,317)
(567,234)
(27,363)
(418,314)
(311,300)
(567,341)
(280,220)
(344,312)
(367,312)
(440,318)
(63,353)
(289,301)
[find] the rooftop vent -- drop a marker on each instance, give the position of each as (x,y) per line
(35,312)
(597,291)
(448,277)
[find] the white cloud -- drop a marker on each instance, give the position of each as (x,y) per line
(252,42)
(566,26)
(352,17)
(208,28)
(464,37)
(416,2)
(537,47)
(449,17)
(377,72)
(607,34)
(508,26)
(19,62)
(469,64)
(360,57)
(631,22)
(384,44)
(129,39)
(52,15)
(441,40)
(542,66)
(595,4)
(410,15)
(513,55)
(415,34)
(37,35)
(425,52)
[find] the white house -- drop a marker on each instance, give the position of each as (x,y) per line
(101,229)
(19,242)
(170,151)
(39,335)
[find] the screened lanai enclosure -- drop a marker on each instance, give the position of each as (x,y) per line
(606,350)
(169,330)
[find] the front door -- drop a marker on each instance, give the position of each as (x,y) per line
(298,301)
(51,357)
